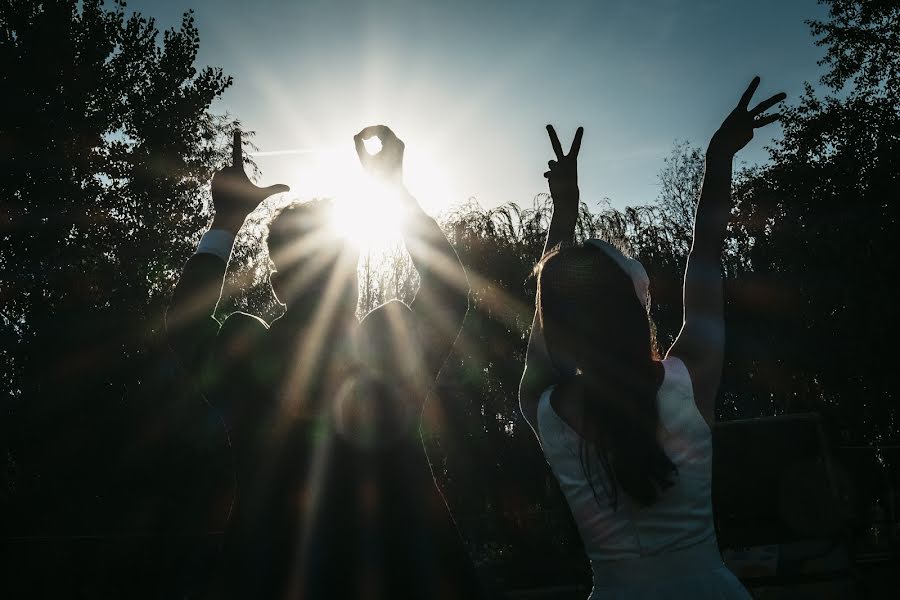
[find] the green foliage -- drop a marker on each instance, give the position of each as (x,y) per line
(862,46)
(824,215)
(106,148)
(108,141)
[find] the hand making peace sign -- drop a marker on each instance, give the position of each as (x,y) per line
(563,173)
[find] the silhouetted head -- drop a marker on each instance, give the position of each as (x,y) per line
(596,324)
(383,402)
(591,314)
(314,267)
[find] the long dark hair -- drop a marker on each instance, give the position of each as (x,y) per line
(593,321)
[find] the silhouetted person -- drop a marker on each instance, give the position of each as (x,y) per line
(269,382)
(383,530)
(627,435)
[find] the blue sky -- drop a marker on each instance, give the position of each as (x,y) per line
(469,85)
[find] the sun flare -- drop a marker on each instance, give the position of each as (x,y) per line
(370,216)
(365,212)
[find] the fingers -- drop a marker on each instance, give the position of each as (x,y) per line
(554,141)
(386,134)
(576,143)
(557,147)
(763,121)
(358,141)
(368,132)
(551,164)
(748,94)
(237,152)
(767,104)
(278,188)
(382,132)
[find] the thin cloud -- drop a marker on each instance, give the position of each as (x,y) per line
(284,152)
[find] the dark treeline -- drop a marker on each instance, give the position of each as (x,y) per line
(106,158)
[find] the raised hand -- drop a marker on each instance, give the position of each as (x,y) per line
(737,129)
(386,164)
(563,173)
(234,195)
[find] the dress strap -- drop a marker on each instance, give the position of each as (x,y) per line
(678,411)
(549,425)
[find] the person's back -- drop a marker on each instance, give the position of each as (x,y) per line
(678,527)
(628,436)
(275,443)
(382,529)
(381,526)
(265,381)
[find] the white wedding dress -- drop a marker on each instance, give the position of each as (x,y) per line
(665,550)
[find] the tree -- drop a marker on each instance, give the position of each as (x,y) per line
(862,43)
(825,219)
(680,181)
(107,146)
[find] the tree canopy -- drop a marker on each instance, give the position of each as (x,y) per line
(106,146)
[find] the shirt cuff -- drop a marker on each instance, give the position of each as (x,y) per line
(218,242)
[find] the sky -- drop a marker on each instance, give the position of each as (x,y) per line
(469,85)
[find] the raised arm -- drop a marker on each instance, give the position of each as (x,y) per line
(701,342)
(563,180)
(190,326)
(442,300)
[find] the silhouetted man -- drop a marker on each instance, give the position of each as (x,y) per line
(268,381)
(383,530)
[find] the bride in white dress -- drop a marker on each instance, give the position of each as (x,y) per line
(626,434)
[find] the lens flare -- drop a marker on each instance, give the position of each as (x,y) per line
(369,214)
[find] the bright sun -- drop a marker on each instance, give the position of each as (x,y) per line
(368,213)
(365,213)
